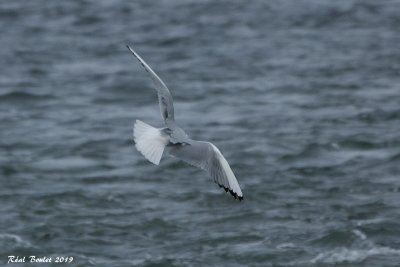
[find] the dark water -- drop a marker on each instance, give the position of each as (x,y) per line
(302,97)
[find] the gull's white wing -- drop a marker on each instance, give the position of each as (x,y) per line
(164,96)
(208,157)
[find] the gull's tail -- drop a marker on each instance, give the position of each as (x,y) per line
(149,141)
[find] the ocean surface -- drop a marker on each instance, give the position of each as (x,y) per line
(302,97)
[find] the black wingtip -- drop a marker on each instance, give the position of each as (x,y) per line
(234,194)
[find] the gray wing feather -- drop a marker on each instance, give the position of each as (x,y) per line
(164,96)
(206,156)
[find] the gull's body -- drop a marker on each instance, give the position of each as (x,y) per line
(151,141)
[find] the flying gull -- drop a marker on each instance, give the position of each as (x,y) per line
(151,141)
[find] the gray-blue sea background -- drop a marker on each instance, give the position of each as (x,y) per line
(302,97)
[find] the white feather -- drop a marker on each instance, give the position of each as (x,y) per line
(149,141)
(233,183)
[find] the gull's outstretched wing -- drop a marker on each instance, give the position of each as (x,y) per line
(208,157)
(164,96)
